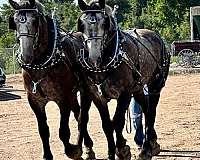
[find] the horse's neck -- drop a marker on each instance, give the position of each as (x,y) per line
(43,36)
(71,48)
(110,44)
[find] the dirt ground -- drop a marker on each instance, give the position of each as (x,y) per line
(177,123)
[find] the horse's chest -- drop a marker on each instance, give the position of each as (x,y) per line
(114,83)
(54,88)
(112,91)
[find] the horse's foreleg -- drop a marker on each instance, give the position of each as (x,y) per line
(83,120)
(150,147)
(39,110)
(123,151)
(107,128)
(72,151)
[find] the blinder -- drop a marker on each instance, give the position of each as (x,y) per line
(80,26)
(12,24)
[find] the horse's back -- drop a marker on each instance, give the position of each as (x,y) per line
(150,50)
(146,37)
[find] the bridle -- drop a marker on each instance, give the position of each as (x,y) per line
(55,55)
(93,21)
(116,58)
(23,20)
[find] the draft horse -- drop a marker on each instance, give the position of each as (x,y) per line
(117,65)
(48,74)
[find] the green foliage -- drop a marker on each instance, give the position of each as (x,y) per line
(194,2)
(66,14)
(170,18)
(124,8)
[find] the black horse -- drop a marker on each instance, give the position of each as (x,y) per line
(117,65)
(46,69)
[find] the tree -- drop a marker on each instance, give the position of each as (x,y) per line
(164,16)
(66,14)
(7,36)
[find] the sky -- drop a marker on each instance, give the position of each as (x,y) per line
(5,1)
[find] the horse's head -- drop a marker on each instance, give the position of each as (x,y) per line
(26,21)
(95,24)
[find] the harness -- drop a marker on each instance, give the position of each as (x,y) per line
(116,58)
(53,55)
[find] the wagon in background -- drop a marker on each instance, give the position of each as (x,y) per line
(187,52)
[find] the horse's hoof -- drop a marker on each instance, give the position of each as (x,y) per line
(48,157)
(155,147)
(73,151)
(123,153)
(127,157)
(111,156)
(143,155)
(89,154)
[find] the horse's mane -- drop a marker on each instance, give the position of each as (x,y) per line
(94,4)
(25,4)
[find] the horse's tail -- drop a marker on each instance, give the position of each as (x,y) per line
(163,70)
(165,62)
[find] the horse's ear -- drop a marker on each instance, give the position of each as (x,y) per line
(80,26)
(32,3)
(83,6)
(14,4)
(102,4)
(12,24)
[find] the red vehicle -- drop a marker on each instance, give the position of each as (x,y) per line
(188,52)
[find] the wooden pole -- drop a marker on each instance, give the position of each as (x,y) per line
(191,25)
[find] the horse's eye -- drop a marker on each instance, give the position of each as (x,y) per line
(93,19)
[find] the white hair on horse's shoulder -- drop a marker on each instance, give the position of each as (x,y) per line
(108,10)
(40,6)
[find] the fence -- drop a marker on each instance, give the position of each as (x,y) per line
(8,60)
